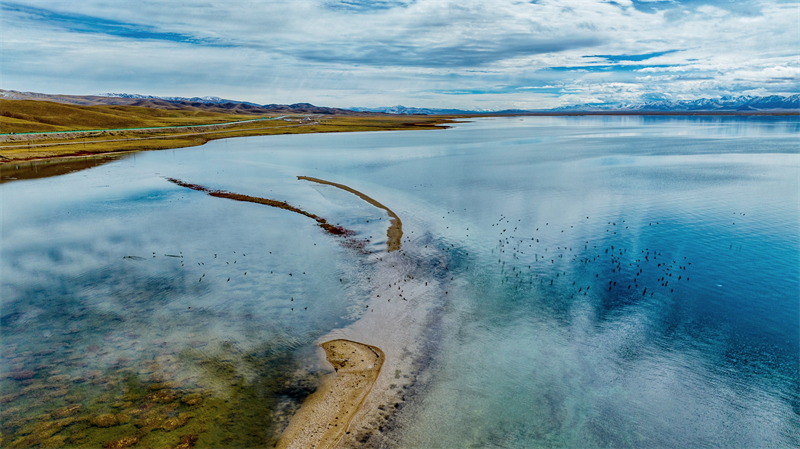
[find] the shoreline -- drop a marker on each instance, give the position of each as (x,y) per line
(47,148)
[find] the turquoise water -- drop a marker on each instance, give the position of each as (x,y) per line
(543,223)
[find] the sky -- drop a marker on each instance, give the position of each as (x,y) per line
(489,54)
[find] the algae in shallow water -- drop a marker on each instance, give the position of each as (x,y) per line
(238,399)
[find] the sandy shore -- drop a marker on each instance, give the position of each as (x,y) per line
(325,415)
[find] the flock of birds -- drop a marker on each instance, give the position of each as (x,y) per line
(528,255)
(623,266)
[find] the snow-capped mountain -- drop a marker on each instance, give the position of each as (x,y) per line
(206,100)
(744,103)
(402,110)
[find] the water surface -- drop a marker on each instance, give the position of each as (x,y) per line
(544,223)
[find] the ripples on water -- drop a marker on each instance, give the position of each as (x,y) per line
(708,360)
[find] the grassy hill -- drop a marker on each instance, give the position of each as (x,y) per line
(18,116)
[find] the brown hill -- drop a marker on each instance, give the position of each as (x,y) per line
(20,116)
(233,107)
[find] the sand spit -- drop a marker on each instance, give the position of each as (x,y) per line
(321,222)
(395,231)
(326,414)
(401,318)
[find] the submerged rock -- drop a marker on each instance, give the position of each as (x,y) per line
(22,374)
(186,442)
(55,441)
(152,419)
(123,418)
(175,422)
(162,396)
(67,411)
(105,420)
(122,442)
(8,397)
(192,399)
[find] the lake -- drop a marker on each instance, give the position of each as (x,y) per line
(562,282)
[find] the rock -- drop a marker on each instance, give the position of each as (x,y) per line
(122,442)
(40,431)
(6,398)
(192,399)
(67,411)
(58,378)
(58,393)
(171,407)
(186,442)
(149,420)
(27,441)
(122,404)
(162,396)
(105,420)
(33,388)
(22,374)
(123,418)
(175,422)
(55,441)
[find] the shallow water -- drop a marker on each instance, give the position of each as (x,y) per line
(538,342)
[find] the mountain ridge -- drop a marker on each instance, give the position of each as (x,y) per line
(213,104)
(732,104)
(742,103)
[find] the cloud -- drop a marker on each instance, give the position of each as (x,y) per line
(79,23)
(642,57)
(366,6)
(466,54)
(430,53)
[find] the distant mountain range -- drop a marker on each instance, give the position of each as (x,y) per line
(214,104)
(744,103)
(740,104)
(207,100)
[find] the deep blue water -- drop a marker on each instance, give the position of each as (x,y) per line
(545,223)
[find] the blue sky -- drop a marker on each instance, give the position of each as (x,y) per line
(492,54)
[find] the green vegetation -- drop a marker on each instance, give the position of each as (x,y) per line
(237,399)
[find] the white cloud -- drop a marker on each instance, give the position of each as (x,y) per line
(423,53)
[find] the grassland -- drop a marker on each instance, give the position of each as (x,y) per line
(21,116)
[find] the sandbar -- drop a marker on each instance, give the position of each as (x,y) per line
(321,222)
(395,231)
(325,416)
